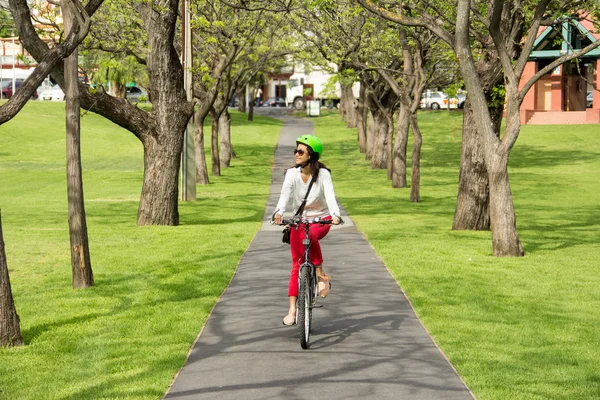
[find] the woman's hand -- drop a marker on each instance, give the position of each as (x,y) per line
(277,219)
(335,220)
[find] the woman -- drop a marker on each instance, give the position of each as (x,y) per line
(320,202)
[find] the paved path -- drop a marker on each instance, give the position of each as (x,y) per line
(367,342)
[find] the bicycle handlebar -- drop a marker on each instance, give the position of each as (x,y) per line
(300,220)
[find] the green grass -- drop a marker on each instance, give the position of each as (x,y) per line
(515,328)
(155,286)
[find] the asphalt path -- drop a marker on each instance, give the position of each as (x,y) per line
(367,342)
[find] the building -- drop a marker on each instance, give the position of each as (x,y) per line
(561,96)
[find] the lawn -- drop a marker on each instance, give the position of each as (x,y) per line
(155,286)
(515,328)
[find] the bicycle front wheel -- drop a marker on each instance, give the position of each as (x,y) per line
(304,307)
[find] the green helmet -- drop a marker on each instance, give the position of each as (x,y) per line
(313,142)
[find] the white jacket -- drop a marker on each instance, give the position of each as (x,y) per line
(321,199)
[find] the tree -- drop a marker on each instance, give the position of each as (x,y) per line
(160,130)
(420,56)
(512,27)
(381,102)
(10,330)
(81,266)
(232,45)
(332,33)
(408,89)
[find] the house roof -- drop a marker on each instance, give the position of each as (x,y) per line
(572,36)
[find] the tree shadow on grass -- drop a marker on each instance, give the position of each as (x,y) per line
(577,227)
(525,156)
(195,282)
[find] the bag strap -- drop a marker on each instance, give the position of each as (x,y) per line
(301,208)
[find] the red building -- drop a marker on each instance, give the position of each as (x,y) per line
(561,96)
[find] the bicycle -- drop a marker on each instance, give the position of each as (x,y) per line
(308,285)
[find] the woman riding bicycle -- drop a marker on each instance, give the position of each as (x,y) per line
(320,203)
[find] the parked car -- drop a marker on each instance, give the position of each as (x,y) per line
(136,95)
(461,97)
(43,87)
(589,99)
(437,100)
(7,88)
(274,102)
(55,93)
(235,102)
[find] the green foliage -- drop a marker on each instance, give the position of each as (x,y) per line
(454,88)
(118,70)
(252,43)
(330,91)
(24,60)
(155,286)
(116,44)
(7,25)
(498,95)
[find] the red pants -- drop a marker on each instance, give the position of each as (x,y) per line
(316,233)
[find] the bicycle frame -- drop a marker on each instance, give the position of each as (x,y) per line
(312,273)
(308,288)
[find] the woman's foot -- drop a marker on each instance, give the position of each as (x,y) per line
(290,319)
(324,286)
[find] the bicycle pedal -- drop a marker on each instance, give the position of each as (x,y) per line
(317,306)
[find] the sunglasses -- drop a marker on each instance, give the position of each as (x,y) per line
(300,152)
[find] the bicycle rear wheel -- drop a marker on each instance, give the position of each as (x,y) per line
(304,307)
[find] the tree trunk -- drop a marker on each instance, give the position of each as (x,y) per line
(214,145)
(377,138)
(158,203)
(10,330)
(201,169)
(241,95)
(250,112)
(370,135)
(389,146)
(399,171)
(360,120)
(82,276)
(225,136)
(415,182)
(472,202)
(348,103)
(505,239)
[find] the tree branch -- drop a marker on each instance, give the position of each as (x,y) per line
(47,64)
(426,21)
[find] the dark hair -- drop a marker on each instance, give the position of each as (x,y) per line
(314,164)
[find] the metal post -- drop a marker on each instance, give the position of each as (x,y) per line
(1,64)
(188,159)
(13,71)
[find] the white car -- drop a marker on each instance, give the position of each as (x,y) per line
(437,100)
(55,93)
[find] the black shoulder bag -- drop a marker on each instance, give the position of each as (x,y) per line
(287,229)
